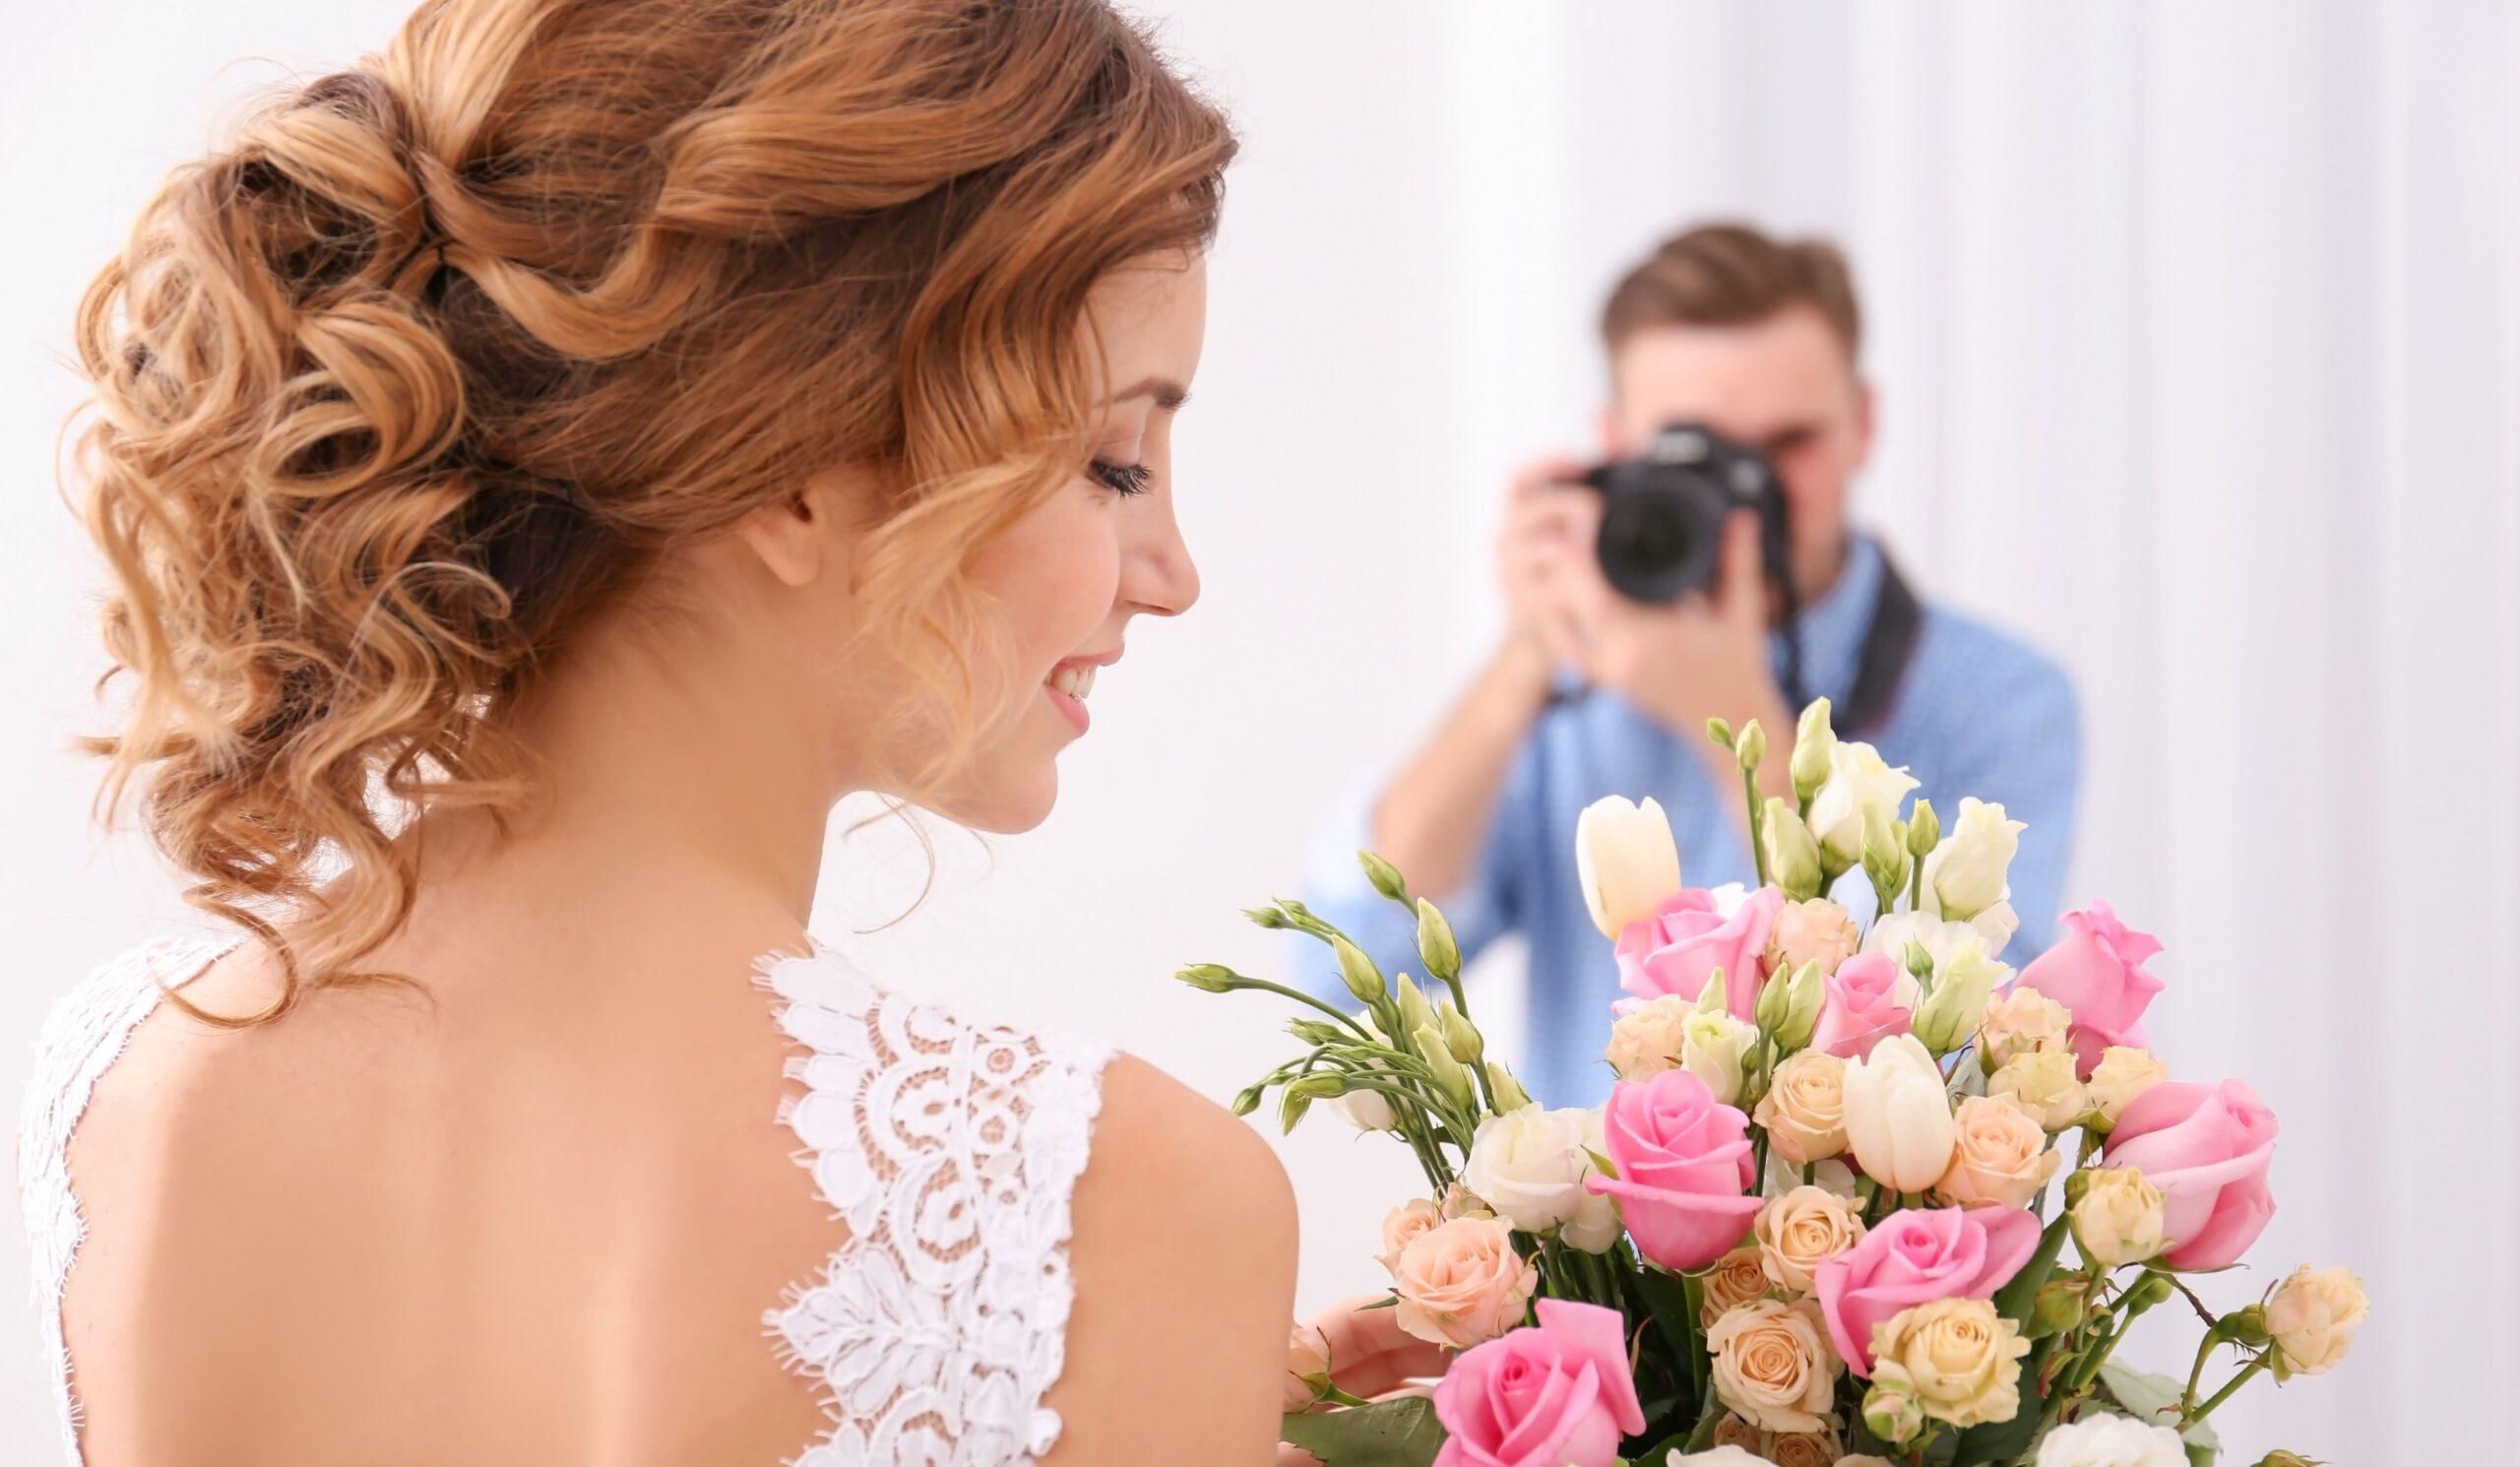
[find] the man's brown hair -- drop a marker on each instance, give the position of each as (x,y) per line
(1734,275)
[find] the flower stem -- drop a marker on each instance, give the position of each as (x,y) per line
(2228,1387)
(2196,1377)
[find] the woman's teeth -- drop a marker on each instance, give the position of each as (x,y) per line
(1076,682)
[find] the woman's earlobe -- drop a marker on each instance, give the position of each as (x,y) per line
(799,537)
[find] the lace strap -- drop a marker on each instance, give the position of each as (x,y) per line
(951,1151)
(84,1034)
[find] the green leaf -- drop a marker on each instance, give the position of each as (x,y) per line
(2014,1300)
(1669,1300)
(1401,1433)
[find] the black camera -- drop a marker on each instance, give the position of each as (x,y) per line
(1663,513)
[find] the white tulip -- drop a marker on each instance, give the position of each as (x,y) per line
(1626,861)
(1898,1118)
(1858,781)
(1965,874)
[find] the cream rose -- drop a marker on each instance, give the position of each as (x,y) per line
(2000,1156)
(1816,931)
(2044,1083)
(1773,1363)
(1463,1284)
(1898,1120)
(2313,1317)
(1645,1041)
(2020,1021)
(2119,1218)
(2122,1074)
(1308,1367)
(1735,1279)
(1403,1225)
(1800,1230)
(1626,861)
(1530,1166)
(1803,1112)
(1957,1358)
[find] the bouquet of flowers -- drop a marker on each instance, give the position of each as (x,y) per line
(1813,1224)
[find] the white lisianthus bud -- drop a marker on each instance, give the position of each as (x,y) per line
(1415,1012)
(1626,861)
(1812,741)
(1886,862)
(1858,781)
(1359,971)
(1965,874)
(1530,1166)
(1898,1120)
(1963,983)
(2313,1317)
(1793,858)
(1712,1046)
(1510,1095)
(1461,1036)
(2124,1073)
(1438,1057)
(1436,944)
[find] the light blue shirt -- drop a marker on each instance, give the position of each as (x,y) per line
(1976,713)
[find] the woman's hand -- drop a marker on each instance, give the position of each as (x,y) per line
(1368,1357)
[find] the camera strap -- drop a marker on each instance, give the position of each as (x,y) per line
(1888,644)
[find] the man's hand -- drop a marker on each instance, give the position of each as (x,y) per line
(1543,547)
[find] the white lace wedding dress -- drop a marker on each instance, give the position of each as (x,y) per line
(950,1149)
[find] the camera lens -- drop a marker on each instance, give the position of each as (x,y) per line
(1647,544)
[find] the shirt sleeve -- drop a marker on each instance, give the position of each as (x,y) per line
(2025,753)
(1488,905)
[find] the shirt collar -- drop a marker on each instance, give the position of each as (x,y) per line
(1835,626)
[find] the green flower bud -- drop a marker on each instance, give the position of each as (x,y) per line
(1317,1031)
(1710,1000)
(2058,1307)
(1720,732)
(1362,978)
(1917,961)
(1812,741)
(2248,1326)
(2281,1458)
(1752,746)
(1801,1007)
(1924,830)
(1384,875)
(2154,1290)
(1950,1014)
(1210,977)
(1885,860)
(1461,1036)
(1268,917)
(1435,945)
(1793,856)
(1448,1071)
(1894,1416)
(1302,1092)
(1248,1101)
(1510,1095)
(1415,1012)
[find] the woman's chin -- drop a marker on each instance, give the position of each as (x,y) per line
(1010,804)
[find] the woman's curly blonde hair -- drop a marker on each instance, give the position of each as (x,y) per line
(417,376)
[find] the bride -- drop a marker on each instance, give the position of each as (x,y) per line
(543,470)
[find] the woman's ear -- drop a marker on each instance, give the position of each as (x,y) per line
(810,534)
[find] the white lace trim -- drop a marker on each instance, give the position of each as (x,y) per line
(84,1034)
(952,1153)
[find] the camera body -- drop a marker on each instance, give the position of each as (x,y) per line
(1663,513)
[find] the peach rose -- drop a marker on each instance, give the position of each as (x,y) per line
(1798,1231)
(1401,1227)
(2001,1156)
(1647,1040)
(1737,1278)
(1462,1284)
(2020,1021)
(1957,1356)
(2044,1083)
(1805,1110)
(1773,1365)
(1816,931)
(2119,1217)
(1806,1449)
(2313,1317)
(2122,1074)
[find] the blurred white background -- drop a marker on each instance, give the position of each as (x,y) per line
(2198,335)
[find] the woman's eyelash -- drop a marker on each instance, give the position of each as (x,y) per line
(1126,480)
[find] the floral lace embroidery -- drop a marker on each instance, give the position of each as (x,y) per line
(952,1152)
(84,1034)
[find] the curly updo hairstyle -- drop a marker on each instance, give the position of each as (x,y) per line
(417,377)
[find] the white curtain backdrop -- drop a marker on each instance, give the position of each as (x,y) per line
(2197,330)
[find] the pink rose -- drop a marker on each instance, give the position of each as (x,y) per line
(1555,1395)
(2097,971)
(1916,1256)
(1673,951)
(1683,1161)
(1860,1007)
(2207,1148)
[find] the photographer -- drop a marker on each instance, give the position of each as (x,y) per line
(1594,692)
